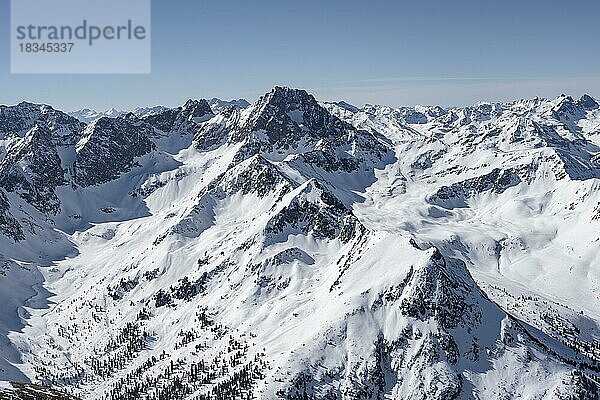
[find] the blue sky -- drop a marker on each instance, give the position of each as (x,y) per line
(391,52)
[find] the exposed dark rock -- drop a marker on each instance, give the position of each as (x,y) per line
(32,168)
(163,121)
(286,115)
(256,175)
(458,193)
(109,147)
(9,226)
(587,102)
(182,120)
(436,291)
(315,211)
(18,120)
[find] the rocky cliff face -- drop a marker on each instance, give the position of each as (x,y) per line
(33,136)
(109,147)
(182,120)
(9,226)
(33,168)
(16,121)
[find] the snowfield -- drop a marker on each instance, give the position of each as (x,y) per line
(291,249)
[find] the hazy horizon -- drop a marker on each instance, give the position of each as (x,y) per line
(252,100)
(393,53)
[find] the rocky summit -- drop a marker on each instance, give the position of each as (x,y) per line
(299,249)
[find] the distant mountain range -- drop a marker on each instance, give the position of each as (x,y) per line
(297,249)
(87,115)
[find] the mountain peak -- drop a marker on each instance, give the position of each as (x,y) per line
(564,98)
(218,105)
(196,108)
(588,102)
(113,111)
(565,104)
(286,89)
(347,106)
(292,107)
(30,105)
(290,95)
(20,118)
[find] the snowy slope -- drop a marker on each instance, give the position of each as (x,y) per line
(295,249)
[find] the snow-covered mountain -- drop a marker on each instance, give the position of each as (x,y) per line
(87,115)
(219,105)
(291,249)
